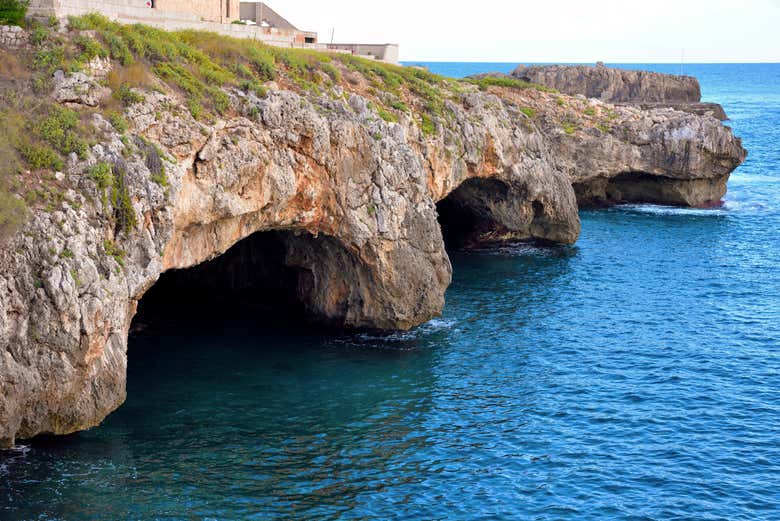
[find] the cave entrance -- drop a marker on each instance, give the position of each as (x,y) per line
(641,187)
(475,213)
(263,278)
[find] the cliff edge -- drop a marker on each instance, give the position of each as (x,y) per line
(129,152)
(620,86)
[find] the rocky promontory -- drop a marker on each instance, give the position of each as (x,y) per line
(621,86)
(131,153)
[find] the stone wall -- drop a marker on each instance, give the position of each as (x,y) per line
(224,11)
(42,8)
(12,36)
(386,52)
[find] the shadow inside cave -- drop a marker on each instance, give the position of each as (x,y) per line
(468,214)
(255,282)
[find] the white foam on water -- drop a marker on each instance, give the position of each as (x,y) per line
(21,449)
(655,209)
(438,324)
(518,249)
(398,340)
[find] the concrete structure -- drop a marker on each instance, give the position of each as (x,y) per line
(261,15)
(205,15)
(385,52)
(219,16)
(147,11)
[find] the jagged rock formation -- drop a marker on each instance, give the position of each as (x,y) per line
(352,197)
(620,86)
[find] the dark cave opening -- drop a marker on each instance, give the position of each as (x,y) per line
(631,187)
(467,216)
(252,282)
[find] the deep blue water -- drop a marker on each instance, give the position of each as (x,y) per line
(633,376)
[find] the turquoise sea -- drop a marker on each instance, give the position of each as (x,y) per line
(633,376)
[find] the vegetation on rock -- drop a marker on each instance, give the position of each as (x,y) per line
(12,12)
(490,81)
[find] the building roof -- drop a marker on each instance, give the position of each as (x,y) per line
(273,18)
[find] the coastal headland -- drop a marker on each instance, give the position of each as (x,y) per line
(130,152)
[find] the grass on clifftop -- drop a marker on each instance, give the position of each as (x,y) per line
(491,81)
(201,64)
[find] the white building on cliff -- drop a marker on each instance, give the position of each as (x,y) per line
(249,19)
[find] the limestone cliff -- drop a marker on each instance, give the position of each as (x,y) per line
(642,88)
(345,158)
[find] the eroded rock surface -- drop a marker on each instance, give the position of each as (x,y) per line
(643,88)
(355,197)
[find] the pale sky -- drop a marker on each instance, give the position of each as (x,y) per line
(551,30)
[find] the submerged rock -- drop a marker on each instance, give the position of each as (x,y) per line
(354,195)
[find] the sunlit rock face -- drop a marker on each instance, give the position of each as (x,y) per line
(351,198)
(644,89)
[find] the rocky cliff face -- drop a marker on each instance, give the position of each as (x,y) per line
(352,195)
(642,88)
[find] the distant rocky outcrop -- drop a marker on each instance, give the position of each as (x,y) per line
(643,88)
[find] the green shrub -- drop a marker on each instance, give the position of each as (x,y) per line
(331,71)
(427,125)
(112,250)
(528,111)
(39,156)
(41,84)
(195,108)
(387,116)
(74,273)
(569,127)
(182,77)
(124,213)
(102,175)
(118,121)
(90,49)
(58,130)
(254,86)
(125,95)
(215,75)
(263,62)
(119,49)
(13,12)
(49,60)
(220,100)
(39,35)
(399,105)
(78,23)
(590,111)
